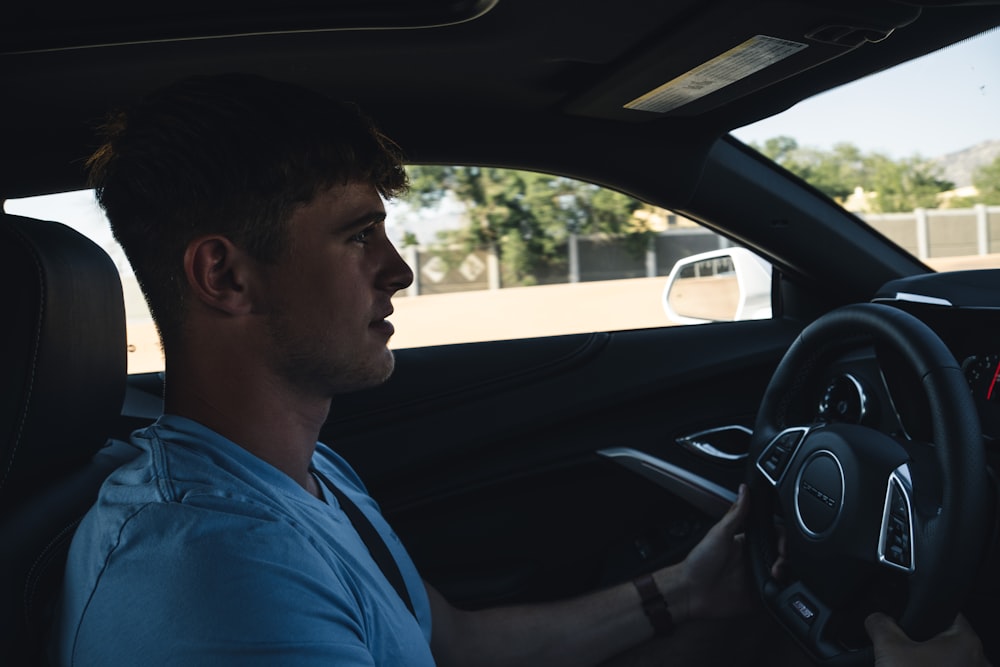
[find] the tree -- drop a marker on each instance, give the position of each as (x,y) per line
(527,216)
(835,173)
(987,181)
(905,184)
(898,185)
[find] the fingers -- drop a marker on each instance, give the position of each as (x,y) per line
(961,625)
(731,523)
(882,629)
(958,645)
(733,519)
(778,569)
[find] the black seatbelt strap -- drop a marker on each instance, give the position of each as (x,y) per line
(376,545)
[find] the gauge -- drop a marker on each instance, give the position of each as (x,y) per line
(981,373)
(843,400)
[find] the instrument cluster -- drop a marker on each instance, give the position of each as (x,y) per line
(982,372)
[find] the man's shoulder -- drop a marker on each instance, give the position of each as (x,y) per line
(171,496)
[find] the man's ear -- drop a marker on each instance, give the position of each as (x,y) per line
(219,274)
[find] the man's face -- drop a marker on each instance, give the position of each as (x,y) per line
(329,294)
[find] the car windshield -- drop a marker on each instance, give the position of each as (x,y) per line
(914,151)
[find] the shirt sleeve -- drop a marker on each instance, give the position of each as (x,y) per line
(219,590)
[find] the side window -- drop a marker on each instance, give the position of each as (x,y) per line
(500,254)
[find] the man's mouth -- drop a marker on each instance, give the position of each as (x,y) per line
(383,325)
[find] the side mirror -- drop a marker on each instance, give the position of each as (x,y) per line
(718,286)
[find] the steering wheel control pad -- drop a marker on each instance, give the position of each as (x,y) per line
(832,485)
(895,547)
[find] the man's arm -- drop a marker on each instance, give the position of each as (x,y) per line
(710,583)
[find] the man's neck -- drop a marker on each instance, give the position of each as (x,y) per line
(271,422)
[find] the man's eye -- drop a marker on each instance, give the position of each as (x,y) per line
(362,236)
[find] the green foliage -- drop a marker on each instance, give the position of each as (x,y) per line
(833,173)
(527,216)
(898,185)
(987,181)
(905,184)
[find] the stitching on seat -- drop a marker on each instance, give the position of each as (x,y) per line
(34,358)
(43,559)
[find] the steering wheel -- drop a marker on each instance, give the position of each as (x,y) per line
(868,521)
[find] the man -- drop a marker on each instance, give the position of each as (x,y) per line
(252,213)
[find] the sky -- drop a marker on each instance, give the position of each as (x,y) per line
(935,105)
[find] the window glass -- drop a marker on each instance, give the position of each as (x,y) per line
(502,254)
(913,150)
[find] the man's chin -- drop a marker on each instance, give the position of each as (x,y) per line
(371,376)
(390,366)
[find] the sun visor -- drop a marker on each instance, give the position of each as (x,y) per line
(681,76)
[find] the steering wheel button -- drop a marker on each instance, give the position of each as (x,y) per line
(777,455)
(803,608)
(899,504)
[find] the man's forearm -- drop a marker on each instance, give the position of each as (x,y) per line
(710,583)
(581,631)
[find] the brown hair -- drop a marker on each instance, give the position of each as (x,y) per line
(230,154)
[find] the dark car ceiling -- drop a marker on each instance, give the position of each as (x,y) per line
(510,82)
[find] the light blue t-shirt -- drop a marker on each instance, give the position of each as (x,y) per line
(199,553)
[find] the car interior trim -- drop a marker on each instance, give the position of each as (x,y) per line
(700,443)
(704,494)
(921,298)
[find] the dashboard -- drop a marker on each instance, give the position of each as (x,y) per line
(963,308)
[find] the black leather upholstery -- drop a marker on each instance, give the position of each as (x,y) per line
(64,372)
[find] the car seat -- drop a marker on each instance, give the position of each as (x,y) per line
(64,374)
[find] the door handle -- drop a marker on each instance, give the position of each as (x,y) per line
(726,444)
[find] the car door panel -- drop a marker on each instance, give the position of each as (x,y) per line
(501,464)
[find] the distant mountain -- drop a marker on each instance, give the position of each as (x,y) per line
(958,167)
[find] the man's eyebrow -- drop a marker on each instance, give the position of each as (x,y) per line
(365,219)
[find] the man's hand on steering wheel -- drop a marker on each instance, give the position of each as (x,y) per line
(715,570)
(958,645)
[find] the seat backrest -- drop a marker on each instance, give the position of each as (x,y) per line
(64,370)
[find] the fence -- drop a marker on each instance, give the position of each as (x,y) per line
(926,233)
(930,233)
(587,259)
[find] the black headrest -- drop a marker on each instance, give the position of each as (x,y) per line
(62,343)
